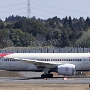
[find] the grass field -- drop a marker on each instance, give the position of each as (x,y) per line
(44,87)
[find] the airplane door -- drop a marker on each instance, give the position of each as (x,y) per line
(85,61)
(89,61)
(0,61)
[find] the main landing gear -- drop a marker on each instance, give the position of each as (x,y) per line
(47,76)
(47,73)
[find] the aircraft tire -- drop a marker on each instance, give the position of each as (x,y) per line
(43,76)
(47,76)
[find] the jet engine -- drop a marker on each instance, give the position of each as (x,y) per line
(66,69)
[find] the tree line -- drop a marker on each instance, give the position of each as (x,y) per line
(23,32)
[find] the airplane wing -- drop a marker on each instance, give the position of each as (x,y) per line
(37,63)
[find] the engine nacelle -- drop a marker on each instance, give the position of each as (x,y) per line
(66,69)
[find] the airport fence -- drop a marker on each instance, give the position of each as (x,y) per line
(45,50)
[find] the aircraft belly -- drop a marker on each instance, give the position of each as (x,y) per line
(32,67)
(14,66)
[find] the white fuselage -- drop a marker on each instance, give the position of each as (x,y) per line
(80,60)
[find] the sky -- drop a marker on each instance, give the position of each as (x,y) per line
(45,9)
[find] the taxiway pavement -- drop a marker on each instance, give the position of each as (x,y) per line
(34,78)
(45,81)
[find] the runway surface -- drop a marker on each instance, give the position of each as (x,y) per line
(44,81)
(34,78)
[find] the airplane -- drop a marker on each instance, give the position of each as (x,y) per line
(62,63)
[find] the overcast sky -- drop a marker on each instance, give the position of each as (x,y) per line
(45,9)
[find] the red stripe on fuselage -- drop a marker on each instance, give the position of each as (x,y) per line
(4,54)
